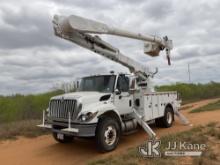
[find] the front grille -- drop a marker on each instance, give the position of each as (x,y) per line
(61,108)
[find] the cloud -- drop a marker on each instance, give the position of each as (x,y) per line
(32,59)
(158,10)
(27,25)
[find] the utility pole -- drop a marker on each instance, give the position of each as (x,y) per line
(189,73)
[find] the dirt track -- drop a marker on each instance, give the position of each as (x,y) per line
(44,150)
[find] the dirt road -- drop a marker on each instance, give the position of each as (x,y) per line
(44,150)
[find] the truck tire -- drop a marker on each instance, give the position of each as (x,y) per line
(107,134)
(167,120)
(66,138)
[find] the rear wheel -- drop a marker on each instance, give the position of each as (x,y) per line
(61,138)
(107,134)
(167,120)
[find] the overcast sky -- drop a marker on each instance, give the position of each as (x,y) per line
(33,60)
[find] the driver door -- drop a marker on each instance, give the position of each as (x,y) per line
(123,100)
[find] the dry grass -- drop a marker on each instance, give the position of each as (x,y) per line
(25,128)
(208,107)
(185,107)
(197,135)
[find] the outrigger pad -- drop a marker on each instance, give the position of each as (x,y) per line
(48,126)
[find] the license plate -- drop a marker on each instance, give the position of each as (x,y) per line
(60,136)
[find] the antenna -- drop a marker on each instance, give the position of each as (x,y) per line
(189,74)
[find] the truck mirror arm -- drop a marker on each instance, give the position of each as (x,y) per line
(117,91)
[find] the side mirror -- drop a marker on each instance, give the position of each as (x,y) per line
(117,92)
(77,84)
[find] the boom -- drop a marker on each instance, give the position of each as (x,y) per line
(133,100)
(78,30)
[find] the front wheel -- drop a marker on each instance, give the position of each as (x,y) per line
(107,134)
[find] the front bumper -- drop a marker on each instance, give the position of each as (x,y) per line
(79,130)
(74,129)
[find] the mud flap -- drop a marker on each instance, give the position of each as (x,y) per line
(143,124)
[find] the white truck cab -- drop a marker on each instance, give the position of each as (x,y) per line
(103,107)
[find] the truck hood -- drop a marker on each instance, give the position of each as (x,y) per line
(83,97)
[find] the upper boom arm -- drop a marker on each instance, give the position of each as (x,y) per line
(77,29)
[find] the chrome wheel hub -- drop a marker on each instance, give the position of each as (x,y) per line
(110,135)
(169,117)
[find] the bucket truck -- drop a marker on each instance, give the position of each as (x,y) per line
(110,105)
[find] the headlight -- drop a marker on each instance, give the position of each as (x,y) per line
(87,116)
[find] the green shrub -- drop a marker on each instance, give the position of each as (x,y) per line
(20,107)
(193,92)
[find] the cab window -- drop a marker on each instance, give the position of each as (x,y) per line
(123,83)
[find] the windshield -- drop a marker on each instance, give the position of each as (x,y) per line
(98,83)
